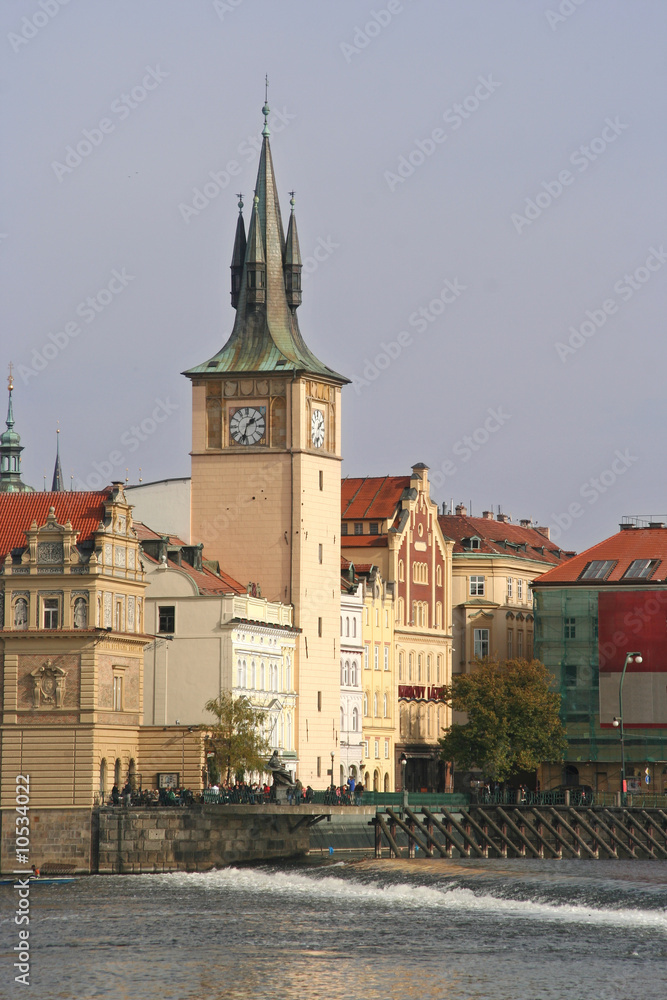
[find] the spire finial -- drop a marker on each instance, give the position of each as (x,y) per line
(10,380)
(291,199)
(266,109)
(240,198)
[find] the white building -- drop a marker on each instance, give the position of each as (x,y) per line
(351,652)
(211,637)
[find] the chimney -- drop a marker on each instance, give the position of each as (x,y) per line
(626,527)
(526,523)
(504,518)
(461,510)
(487,515)
(543,530)
(656,524)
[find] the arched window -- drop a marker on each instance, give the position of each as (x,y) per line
(116,773)
(353,673)
(400,611)
(342,719)
(376,780)
(376,705)
(253,675)
(347,626)
(439,676)
(366,703)
(346,673)
(288,738)
(354,628)
(245,674)
(438,575)
(411,666)
(103,778)
(239,674)
(431,720)
(275,676)
(386,782)
(403,716)
(355,720)
(438,615)
(414,614)
(401,570)
(420,665)
(385,706)
(400,666)
(429,668)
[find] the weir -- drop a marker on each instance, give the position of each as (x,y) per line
(522,831)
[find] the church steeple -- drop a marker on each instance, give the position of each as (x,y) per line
(10,451)
(266,290)
(57,485)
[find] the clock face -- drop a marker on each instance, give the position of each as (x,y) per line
(317,428)
(248,425)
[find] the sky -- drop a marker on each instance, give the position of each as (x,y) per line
(480,201)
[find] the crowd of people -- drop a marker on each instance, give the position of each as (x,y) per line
(233,793)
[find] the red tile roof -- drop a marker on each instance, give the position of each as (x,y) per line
(624,547)
(493,534)
(363,541)
(19,510)
(372,496)
(146,534)
(208,584)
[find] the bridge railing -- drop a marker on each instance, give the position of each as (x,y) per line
(559,797)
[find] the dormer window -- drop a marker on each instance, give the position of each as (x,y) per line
(598,569)
(641,569)
(374,528)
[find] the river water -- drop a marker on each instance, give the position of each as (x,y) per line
(338,930)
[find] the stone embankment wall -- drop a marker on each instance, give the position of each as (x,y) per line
(196,838)
(60,838)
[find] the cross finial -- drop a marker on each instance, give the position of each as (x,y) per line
(10,380)
(291,198)
(240,198)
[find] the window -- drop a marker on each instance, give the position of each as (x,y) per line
(420,664)
(319,767)
(438,615)
(118,616)
(386,749)
(343,528)
(438,575)
(346,672)
(401,570)
(641,569)
(358,528)
(342,719)
(411,665)
(420,572)
(400,611)
(474,543)
(253,675)
(262,677)
(477,586)
(319,627)
(347,626)
(355,720)
(509,588)
(366,748)
(385,706)
(319,701)
(376,705)
(386,619)
(570,675)
(374,528)
(51,612)
(570,628)
(400,666)
(365,703)
(321,480)
(377,747)
(366,658)
(598,569)
(353,673)
(354,628)
(481,642)
(386,657)
(319,552)
(117,693)
(519,590)
(519,644)
(166,619)
(376,658)
(439,676)
(510,643)
(429,668)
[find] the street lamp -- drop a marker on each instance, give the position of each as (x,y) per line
(618,721)
(404,763)
(332,771)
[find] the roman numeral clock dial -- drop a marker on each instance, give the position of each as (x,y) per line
(247,425)
(317,428)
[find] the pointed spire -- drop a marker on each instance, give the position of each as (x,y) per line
(10,450)
(57,485)
(238,256)
(266,110)
(255,260)
(292,262)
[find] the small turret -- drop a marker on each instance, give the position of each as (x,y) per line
(292,261)
(10,451)
(238,256)
(255,260)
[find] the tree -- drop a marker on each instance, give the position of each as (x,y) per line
(236,739)
(513,723)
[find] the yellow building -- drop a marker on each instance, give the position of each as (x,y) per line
(494,565)
(266,453)
(71,639)
(392,523)
(378,680)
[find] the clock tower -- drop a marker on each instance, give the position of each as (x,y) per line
(266,459)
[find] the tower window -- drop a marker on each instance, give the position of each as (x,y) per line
(319,627)
(321,480)
(319,701)
(319,552)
